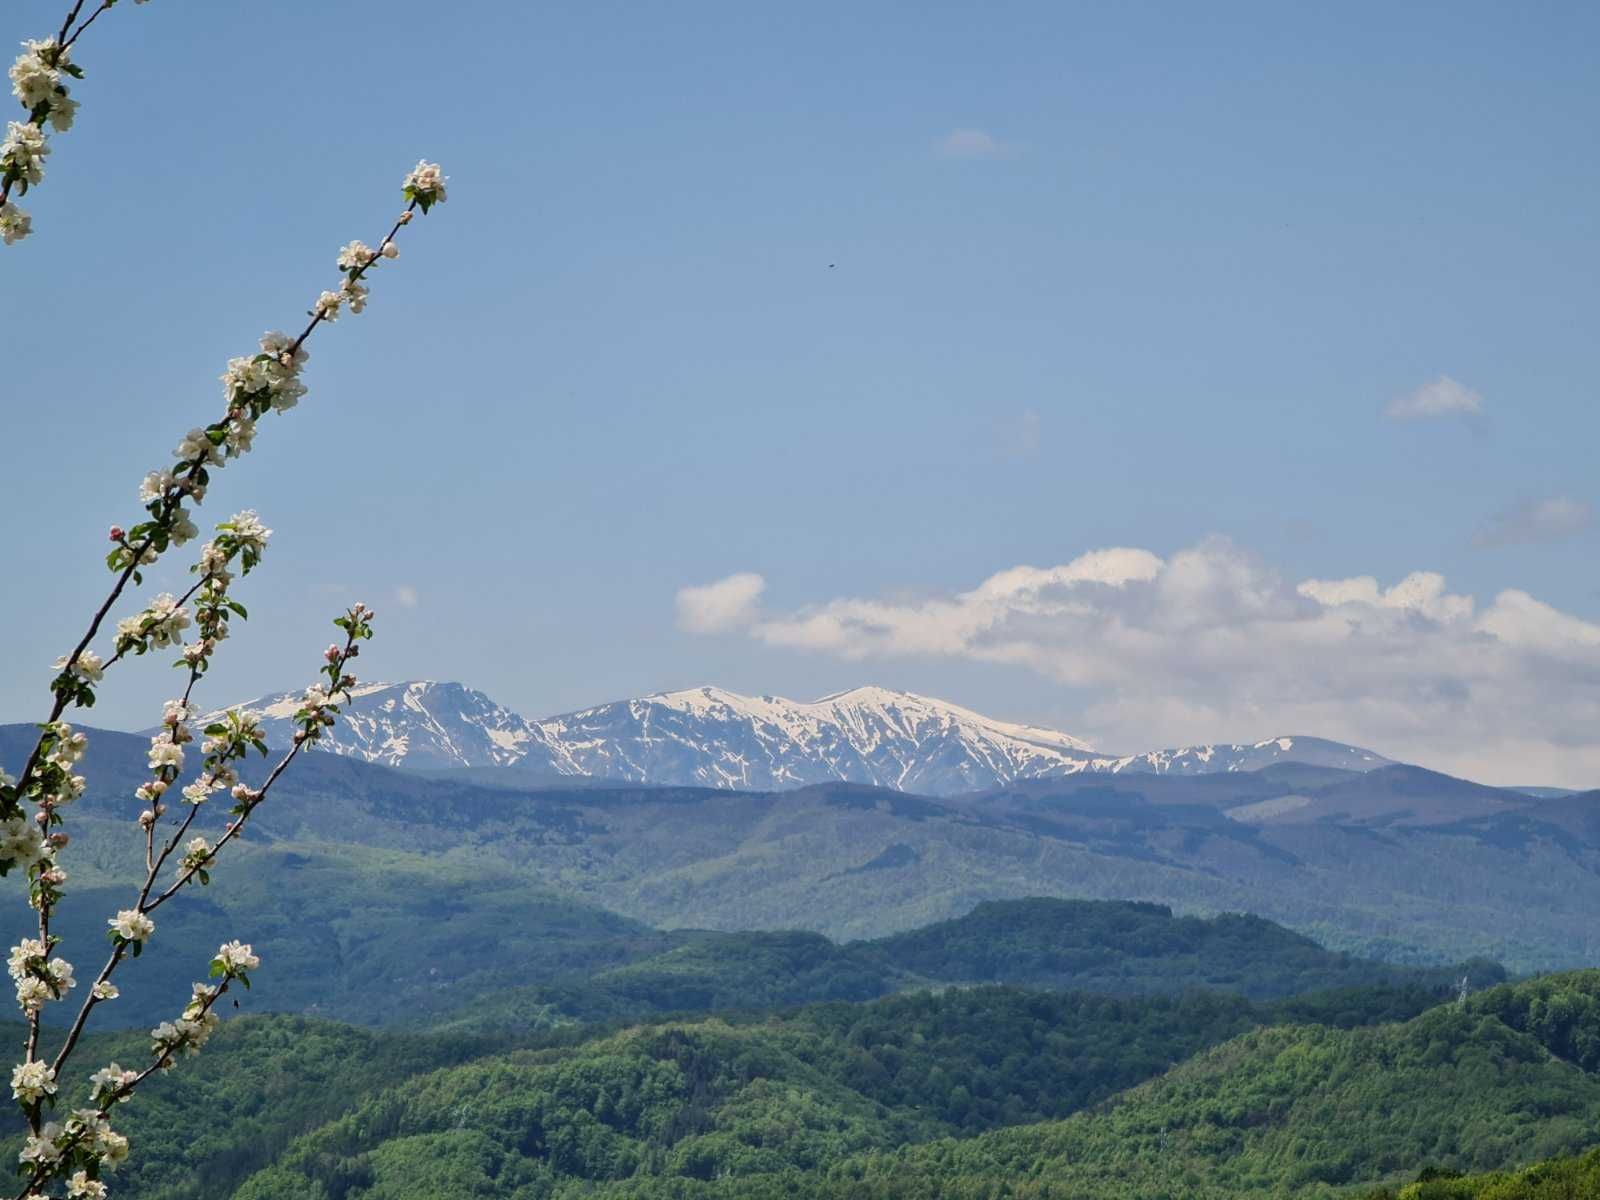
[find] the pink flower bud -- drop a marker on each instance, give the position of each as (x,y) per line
(331,653)
(116,533)
(59,840)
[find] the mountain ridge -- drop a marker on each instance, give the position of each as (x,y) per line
(710,736)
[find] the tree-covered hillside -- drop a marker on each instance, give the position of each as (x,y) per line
(1101,946)
(383,937)
(1572,1178)
(955,1096)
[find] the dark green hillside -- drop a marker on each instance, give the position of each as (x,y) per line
(373,936)
(261,1082)
(1296,1109)
(384,937)
(1575,1178)
(1102,946)
(747,970)
(852,1076)
(1130,948)
(822,1104)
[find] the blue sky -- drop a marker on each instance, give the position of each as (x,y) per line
(874,302)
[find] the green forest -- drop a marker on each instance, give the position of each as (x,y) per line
(1379,1088)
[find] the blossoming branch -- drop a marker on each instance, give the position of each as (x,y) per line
(75,1151)
(39,82)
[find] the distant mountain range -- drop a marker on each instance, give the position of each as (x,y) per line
(708,736)
(1396,863)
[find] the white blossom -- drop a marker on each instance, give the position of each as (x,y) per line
(240,435)
(61,973)
(355,294)
(213,563)
(183,528)
(63,110)
(24,951)
(162,623)
(196,446)
(105,990)
(165,753)
(32,1081)
(89,667)
(155,485)
(41,1148)
(278,345)
(113,1147)
(427,180)
(22,841)
(110,1079)
(248,530)
(356,254)
(131,925)
(33,993)
(81,1187)
(15,223)
(328,305)
(236,956)
(23,151)
(33,79)
(69,746)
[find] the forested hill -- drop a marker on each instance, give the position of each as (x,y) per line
(1111,947)
(954,1097)
(382,937)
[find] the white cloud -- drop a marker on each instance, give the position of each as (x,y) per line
(1213,644)
(1549,520)
(972,143)
(722,606)
(406,596)
(1444,397)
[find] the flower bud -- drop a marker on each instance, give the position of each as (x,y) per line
(116,533)
(59,840)
(405,217)
(331,653)
(390,250)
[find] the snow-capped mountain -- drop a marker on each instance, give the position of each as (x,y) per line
(711,737)
(868,735)
(1251,756)
(420,724)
